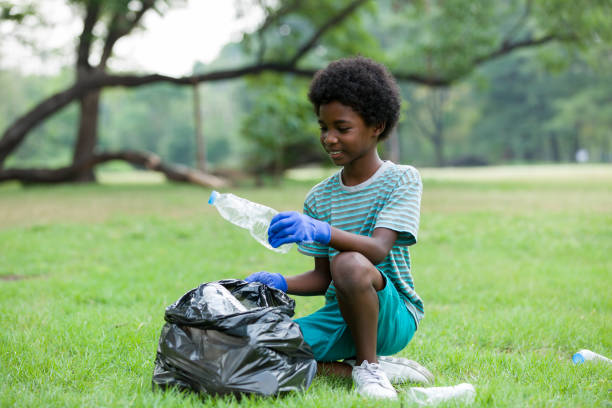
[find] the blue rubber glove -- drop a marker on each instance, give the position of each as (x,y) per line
(274,280)
(292,226)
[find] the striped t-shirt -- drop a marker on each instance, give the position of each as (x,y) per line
(391,198)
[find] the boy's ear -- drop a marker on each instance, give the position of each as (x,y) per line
(379,128)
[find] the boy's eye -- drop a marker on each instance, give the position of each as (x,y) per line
(344,130)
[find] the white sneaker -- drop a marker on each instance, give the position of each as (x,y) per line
(400,370)
(371,381)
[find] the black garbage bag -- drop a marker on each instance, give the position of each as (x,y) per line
(232,337)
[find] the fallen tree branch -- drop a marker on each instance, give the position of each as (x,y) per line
(145,159)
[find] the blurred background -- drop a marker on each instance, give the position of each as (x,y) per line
(90,88)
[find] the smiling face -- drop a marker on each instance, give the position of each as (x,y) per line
(346,138)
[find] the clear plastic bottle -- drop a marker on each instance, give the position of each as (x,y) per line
(463,393)
(588,355)
(248,215)
(220,301)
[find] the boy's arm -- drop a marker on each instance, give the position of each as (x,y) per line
(375,248)
(314,282)
(292,226)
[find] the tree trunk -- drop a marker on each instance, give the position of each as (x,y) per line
(437,100)
(555,150)
(437,136)
(87,137)
(576,144)
(605,150)
(199,135)
(528,153)
(439,149)
(392,147)
(279,165)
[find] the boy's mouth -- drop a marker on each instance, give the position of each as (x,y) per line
(334,154)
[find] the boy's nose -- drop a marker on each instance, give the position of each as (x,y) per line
(329,138)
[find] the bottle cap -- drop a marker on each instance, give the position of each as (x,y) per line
(578,358)
(213,196)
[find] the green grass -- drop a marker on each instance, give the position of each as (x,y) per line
(515,273)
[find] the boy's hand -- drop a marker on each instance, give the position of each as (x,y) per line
(292,226)
(274,280)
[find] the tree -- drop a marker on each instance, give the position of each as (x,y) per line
(427,114)
(446,44)
(280,121)
(447,40)
(200,140)
(452,38)
(584,119)
(529,114)
(120,17)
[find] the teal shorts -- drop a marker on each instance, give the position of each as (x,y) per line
(330,338)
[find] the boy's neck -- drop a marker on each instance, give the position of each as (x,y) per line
(358,172)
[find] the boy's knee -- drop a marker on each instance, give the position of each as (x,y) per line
(350,270)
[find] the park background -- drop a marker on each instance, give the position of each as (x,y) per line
(507,112)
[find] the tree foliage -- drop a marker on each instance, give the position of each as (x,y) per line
(16,12)
(280,128)
(430,43)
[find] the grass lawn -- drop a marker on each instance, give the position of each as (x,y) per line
(514,266)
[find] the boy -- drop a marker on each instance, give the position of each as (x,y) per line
(357,224)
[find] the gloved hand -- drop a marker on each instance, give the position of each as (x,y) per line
(292,226)
(274,280)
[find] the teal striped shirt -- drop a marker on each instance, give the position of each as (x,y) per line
(391,198)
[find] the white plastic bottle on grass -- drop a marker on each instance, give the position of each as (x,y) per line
(588,355)
(462,393)
(248,215)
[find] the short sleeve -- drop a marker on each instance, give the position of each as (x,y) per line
(313,248)
(401,211)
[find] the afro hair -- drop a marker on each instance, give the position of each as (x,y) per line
(363,84)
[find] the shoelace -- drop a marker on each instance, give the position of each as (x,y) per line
(371,373)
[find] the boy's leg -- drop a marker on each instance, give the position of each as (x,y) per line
(335,368)
(330,338)
(357,280)
(338,331)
